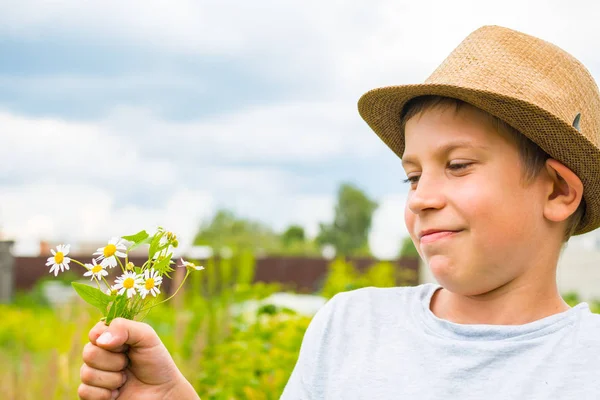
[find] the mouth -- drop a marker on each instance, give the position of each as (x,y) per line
(435,235)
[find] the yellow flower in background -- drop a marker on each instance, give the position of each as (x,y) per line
(129,282)
(152,281)
(95,270)
(59,259)
(109,253)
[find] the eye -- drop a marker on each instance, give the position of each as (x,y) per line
(411,179)
(458,166)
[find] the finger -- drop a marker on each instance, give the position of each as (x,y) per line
(101,379)
(87,392)
(104,360)
(126,332)
(98,330)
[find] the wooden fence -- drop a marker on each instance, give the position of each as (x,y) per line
(303,274)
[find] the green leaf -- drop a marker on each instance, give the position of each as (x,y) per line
(116,308)
(92,296)
(142,237)
(163,265)
(154,244)
(138,237)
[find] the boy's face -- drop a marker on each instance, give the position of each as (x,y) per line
(467,179)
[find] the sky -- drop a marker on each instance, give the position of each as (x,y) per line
(119,116)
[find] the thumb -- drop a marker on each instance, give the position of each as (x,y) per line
(123,333)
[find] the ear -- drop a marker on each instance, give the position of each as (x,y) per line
(565,191)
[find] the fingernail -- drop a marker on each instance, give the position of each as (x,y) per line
(124,378)
(114,394)
(104,338)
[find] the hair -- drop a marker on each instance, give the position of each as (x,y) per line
(533,158)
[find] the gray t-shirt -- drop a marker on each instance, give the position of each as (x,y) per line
(385,343)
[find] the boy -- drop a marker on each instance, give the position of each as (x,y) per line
(501,147)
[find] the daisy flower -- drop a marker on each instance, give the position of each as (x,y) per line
(59,259)
(109,253)
(152,281)
(129,282)
(191,266)
(95,270)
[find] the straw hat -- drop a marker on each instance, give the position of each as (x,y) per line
(536,87)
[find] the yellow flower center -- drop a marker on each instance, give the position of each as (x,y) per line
(149,283)
(130,266)
(110,250)
(59,257)
(96,269)
(128,283)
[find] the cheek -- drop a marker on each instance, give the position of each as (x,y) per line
(409,219)
(499,212)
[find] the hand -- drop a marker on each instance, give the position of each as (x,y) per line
(127,360)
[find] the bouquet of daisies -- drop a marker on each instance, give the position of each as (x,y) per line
(134,291)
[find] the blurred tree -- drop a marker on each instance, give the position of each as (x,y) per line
(350,229)
(293,234)
(228,230)
(408,249)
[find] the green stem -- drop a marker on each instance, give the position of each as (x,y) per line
(77,262)
(169,298)
(120,263)
(98,283)
(106,282)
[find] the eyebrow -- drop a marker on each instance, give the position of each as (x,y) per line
(445,149)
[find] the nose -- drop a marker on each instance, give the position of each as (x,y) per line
(428,195)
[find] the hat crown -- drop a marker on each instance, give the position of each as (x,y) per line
(511,63)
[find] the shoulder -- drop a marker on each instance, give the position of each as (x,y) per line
(375,296)
(371,305)
(588,326)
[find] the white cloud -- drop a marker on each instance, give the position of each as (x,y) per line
(354,47)
(55,151)
(285,132)
(62,179)
(68,213)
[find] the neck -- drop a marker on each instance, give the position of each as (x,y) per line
(514,303)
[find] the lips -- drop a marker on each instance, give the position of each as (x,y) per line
(432,231)
(432,235)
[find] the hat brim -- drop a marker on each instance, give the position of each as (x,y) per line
(381,108)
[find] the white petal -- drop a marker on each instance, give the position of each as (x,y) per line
(88,273)
(120,254)
(67,260)
(53,252)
